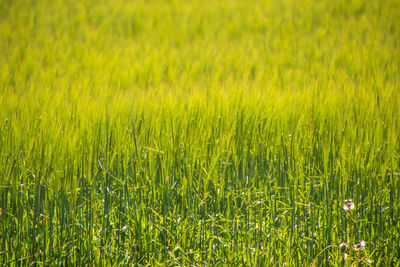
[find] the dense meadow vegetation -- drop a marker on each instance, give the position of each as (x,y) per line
(224,132)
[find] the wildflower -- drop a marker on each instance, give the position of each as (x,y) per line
(359,246)
(343,246)
(384,208)
(348,205)
(367,260)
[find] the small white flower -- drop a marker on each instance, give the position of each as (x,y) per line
(348,205)
(343,246)
(359,246)
(384,208)
(368,261)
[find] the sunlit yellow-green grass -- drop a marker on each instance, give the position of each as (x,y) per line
(199,132)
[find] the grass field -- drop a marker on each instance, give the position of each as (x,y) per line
(210,133)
